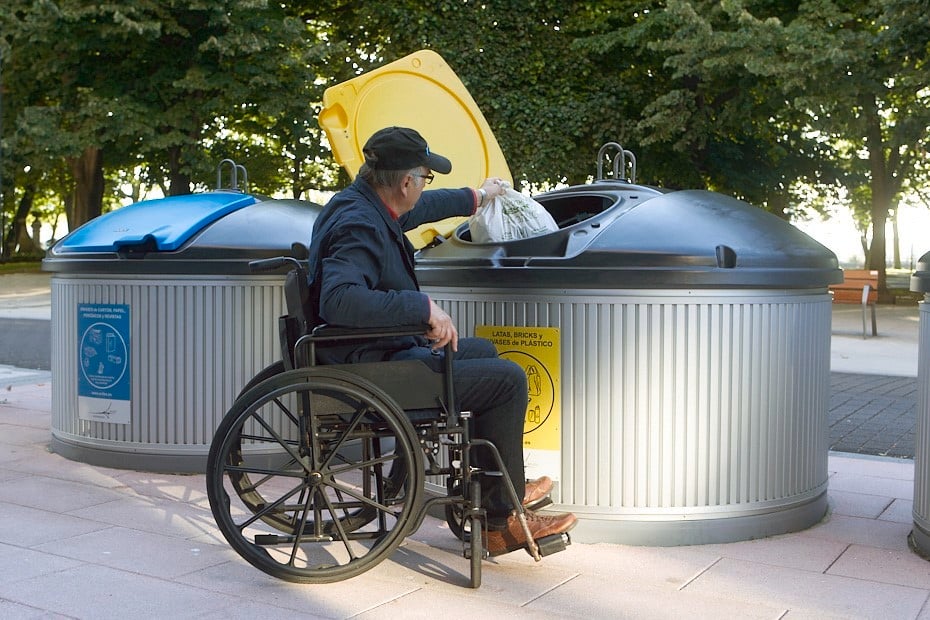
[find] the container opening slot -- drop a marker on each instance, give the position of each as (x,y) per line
(566,211)
(570,210)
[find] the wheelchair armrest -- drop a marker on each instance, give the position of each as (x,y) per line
(331,333)
(267,264)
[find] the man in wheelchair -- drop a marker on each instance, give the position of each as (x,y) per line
(361,270)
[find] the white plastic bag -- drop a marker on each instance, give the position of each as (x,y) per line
(510,216)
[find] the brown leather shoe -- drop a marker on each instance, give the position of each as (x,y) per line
(540,525)
(537,491)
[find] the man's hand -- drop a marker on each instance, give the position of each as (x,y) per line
(441,329)
(493,186)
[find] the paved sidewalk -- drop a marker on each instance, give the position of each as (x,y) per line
(873,386)
(90,542)
(873,414)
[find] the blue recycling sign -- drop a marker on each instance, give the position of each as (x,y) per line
(104,386)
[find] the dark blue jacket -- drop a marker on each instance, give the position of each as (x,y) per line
(361,266)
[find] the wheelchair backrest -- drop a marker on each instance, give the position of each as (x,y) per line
(299,318)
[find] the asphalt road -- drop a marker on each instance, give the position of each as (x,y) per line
(26,343)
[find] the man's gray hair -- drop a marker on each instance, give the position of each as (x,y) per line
(383,178)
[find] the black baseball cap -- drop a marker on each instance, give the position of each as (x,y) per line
(401,148)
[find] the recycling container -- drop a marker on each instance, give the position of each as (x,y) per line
(920,535)
(157,323)
(677,350)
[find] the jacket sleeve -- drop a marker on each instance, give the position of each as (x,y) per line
(438,204)
(353,291)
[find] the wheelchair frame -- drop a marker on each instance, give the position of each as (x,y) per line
(316,474)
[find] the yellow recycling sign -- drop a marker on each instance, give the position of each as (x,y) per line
(537,350)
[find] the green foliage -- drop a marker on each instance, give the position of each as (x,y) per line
(705,110)
(515,58)
(162,88)
(764,100)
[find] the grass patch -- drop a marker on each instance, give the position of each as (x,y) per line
(21,266)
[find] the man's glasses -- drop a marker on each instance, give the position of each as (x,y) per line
(429,177)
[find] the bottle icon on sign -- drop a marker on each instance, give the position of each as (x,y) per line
(533,381)
(534,415)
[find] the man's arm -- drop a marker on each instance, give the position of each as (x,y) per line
(438,204)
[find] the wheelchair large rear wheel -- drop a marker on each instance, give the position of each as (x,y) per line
(272,370)
(250,491)
(335,473)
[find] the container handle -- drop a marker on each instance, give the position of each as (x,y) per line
(234,170)
(619,163)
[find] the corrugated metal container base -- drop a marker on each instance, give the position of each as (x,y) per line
(195,341)
(171,278)
(920,535)
(688,416)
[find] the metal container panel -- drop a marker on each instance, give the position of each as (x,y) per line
(920,535)
(194,341)
(688,416)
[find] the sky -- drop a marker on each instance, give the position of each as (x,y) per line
(839,235)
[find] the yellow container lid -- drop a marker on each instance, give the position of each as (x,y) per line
(422,92)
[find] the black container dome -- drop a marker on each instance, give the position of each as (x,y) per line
(621,235)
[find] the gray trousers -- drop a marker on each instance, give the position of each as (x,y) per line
(495,391)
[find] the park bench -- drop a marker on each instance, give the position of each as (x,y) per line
(859,286)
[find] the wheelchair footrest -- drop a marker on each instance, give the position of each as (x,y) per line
(539,504)
(552,543)
(278,539)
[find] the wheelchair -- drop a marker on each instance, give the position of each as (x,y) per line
(317,473)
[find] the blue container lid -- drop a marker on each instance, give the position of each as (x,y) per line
(212,233)
(164,224)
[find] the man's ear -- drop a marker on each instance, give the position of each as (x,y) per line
(407,184)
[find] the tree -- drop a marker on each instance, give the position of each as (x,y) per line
(701,105)
(869,61)
(746,97)
(153,86)
(515,58)
(856,72)
(246,67)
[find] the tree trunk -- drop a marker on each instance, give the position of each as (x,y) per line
(881,200)
(88,187)
(296,170)
(895,241)
(878,248)
(7,233)
(18,240)
(778,204)
(179,183)
(67,203)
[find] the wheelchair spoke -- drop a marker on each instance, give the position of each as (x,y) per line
(287,445)
(286,411)
(346,434)
(362,499)
(269,474)
(370,463)
(272,507)
(343,536)
(300,528)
